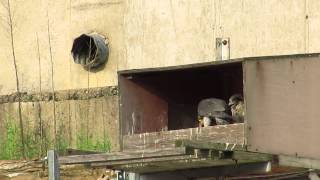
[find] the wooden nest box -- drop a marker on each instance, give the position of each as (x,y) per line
(158,106)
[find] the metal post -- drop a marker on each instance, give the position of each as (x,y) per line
(53,165)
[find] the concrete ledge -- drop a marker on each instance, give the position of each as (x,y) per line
(76,94)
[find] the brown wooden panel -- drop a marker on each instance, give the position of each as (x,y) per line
(140,109)
(232,134)
(282,104)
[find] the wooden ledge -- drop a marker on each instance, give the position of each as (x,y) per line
(116,156)
(231,134)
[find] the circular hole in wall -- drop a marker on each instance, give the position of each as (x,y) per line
(90,50)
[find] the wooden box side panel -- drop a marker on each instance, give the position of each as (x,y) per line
(282,105)
(141,110)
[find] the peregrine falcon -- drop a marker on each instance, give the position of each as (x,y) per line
(237,108)
(213,109)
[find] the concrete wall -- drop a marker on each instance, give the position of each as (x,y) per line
(66,20)
(147,33)
(88,122)
(164,33)
(141,33)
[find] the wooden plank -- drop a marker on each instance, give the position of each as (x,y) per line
(297,175)
(145,160)
(116,156)
(18,166)
(198,160)
(207,173)
(251,156)
(71,151)
(236,156)
(151,167)
(141,111)
(299,162)
(282,113)
(180,67)
(198,144)
(232,134)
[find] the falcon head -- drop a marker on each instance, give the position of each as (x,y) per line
(235,99)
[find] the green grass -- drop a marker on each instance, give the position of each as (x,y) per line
(11,143)
(85,142)
(61,142)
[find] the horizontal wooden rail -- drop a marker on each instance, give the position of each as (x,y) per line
(117,156)
(231,134)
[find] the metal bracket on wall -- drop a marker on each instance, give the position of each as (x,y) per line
(222,49)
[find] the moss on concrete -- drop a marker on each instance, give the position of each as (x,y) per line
(77,94)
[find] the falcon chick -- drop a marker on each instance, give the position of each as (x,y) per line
(213,109)
(237,108)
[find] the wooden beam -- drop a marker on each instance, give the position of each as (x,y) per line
(232,134)
(298,174)
(151,167)
(224,150)
(208,155)
(180,67)
(252,156)
(70,151)
(207,158)
(146,160)
(210,172)
(116,156)
(299,162)
(198,144)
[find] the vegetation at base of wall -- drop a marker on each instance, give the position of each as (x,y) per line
(86,142)
(10,144)
(61,142)
(31,146)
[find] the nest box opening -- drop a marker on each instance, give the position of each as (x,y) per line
(166,99)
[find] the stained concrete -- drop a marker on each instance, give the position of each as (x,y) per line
(141,34)
(80,124)
(147,33)
(66,20)
(78,94)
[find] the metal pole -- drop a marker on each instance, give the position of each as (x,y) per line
(53,165)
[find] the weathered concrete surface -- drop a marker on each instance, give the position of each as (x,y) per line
(66,20)
(79,94)
(81,124)
(141,34)
(164,33)
(147,33)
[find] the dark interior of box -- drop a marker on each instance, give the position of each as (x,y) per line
(168,99)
